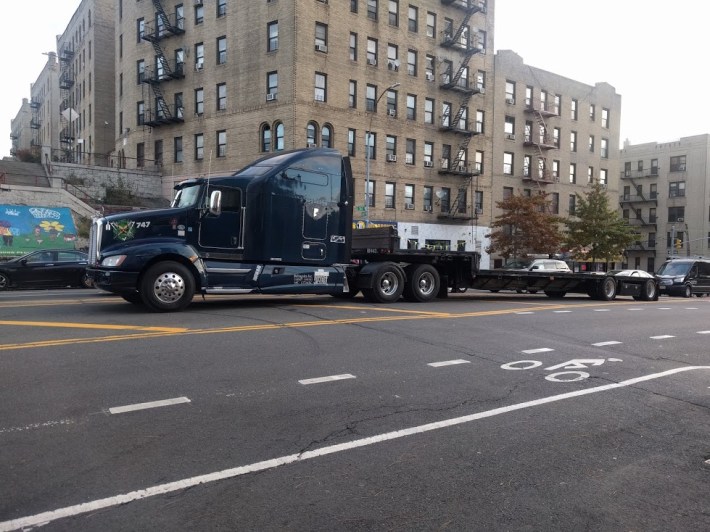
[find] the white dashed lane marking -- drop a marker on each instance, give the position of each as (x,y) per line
(331,378)
(534,351)
(602,344)
(448,363)
(661,337)
(146,406)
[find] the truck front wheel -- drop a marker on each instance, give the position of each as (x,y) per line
(422,283)
(387,284)
(167,286)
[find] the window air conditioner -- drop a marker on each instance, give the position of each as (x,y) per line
(427,208)
(429,76)
(392,158)
(510,136)
(270,96)
(311,145)
(199,66)
(319,98)
(321,48)
(428,164)
(479,210)
(392,112)
(511,101)
(409,206)
(371,61)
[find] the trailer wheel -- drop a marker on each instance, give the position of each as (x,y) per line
(387,285)
(554,294)
(422,283)
(167,286)
(649,291)
(606,291)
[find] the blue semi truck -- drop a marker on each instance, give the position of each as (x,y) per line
(284,225)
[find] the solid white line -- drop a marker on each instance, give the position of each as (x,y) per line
(331,378)
(602,344)
(661,337)
(541,350)
(161,489)
(448,363)
(146,406)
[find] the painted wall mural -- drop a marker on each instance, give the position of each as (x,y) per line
(24,229)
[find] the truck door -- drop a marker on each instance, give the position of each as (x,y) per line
(223,232)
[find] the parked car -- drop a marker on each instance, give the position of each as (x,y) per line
(631,273)
(46,268)
(627,284)
(537,265)
(685,277)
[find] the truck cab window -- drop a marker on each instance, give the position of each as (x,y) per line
(186,196)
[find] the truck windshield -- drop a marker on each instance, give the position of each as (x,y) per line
(674,268)
(186,196)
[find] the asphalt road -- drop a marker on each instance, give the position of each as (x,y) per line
(480,412)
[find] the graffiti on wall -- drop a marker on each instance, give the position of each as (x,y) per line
(23,229)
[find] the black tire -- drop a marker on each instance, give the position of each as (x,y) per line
(87,281)
(422,283)
(533,291)
(133,297)
(387,284)
(649,291)
(347,295)
(606,290)
(4,281)
(167,286)
(687,291)
(554,294)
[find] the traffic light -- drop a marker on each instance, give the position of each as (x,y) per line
(678,243)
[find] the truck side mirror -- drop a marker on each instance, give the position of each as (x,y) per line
(216,202)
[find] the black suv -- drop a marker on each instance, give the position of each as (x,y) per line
(684,277)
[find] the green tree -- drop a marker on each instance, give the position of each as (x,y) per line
(524,227)
(597,232)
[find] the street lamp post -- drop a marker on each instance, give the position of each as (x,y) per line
(368,138)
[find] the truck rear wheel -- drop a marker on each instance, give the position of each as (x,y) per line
(167,286)
(606,291)
(422,283)
(387,284)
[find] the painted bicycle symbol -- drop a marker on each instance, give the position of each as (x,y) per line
(572,368)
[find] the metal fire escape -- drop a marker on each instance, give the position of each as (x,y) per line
(164,70)
(540,140)
(463,41)
(35,125)
(66,104)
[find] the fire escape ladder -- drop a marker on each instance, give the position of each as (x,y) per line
(163,113)
(460,154)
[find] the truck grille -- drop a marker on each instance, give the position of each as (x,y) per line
(95,241)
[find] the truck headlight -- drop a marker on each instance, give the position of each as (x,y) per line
(113,262)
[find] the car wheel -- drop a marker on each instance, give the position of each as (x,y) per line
(4,281)
(87,281)
(687,291)
(167,286)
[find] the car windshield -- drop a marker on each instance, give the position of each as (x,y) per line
(518,264)
(674,268)
(187,196)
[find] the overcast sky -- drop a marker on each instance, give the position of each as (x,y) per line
(653,52)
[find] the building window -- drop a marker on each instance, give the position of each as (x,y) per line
(573,109)
(320,87)
(221,50)
(140,111)
(605,118)
(321,37)
(326,136)
(199,56)
(199,102)
(353,6)
(444,196)
(573,141)
(603,176)
(413,19)
(352,94)
(370,98)
(411,107)
(280,137)
(572,173)
(221,143)
(352,137)
(428,111)
(272,39)
(676,189)
(428,154)
(508,163)
(678,163)
(509,127)
(266,138)
(391,147)
(311,135)
(370,143)
(372,9)
(353,47)
(371,193)
(179,106)
(272,85)
(221,96)
(199,14)
(140,155)
(409,196)
(177,149)
(221,8)
(371,52)
(604,151)
(591,143)
(158,153)
(140,71)
(572,207)
(199,147)
(393,12)
(431,24)
(592,112)
(389,195)
(410,151)
(446,114)
(412,62)
(676,214)
(590,174)
(140,29)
